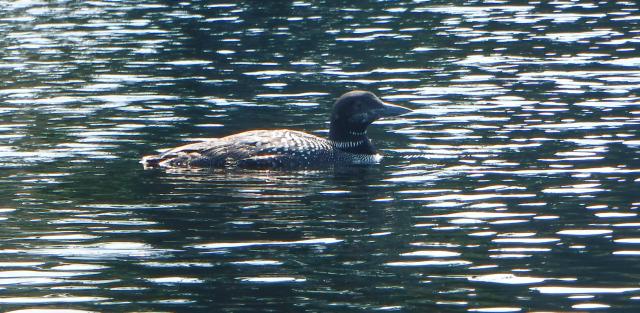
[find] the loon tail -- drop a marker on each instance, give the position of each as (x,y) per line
(151,161)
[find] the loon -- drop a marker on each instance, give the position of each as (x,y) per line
(348,143)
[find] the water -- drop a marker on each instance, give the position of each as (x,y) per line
(512,188)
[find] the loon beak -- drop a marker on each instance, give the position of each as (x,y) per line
(393,110)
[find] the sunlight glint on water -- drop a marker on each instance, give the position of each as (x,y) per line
(510,188)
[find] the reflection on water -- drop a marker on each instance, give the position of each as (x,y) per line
(511,188)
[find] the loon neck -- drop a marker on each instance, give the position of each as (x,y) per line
(353,142)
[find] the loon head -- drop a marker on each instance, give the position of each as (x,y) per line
(354,111)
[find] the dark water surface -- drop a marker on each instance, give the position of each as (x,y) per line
(514,187)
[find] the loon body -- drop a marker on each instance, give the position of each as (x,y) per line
(348,143)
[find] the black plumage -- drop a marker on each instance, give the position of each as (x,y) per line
(348,143)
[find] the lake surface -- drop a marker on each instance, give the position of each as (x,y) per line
(513,187)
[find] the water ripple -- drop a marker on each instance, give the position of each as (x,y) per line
(518,167)
(225,245)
